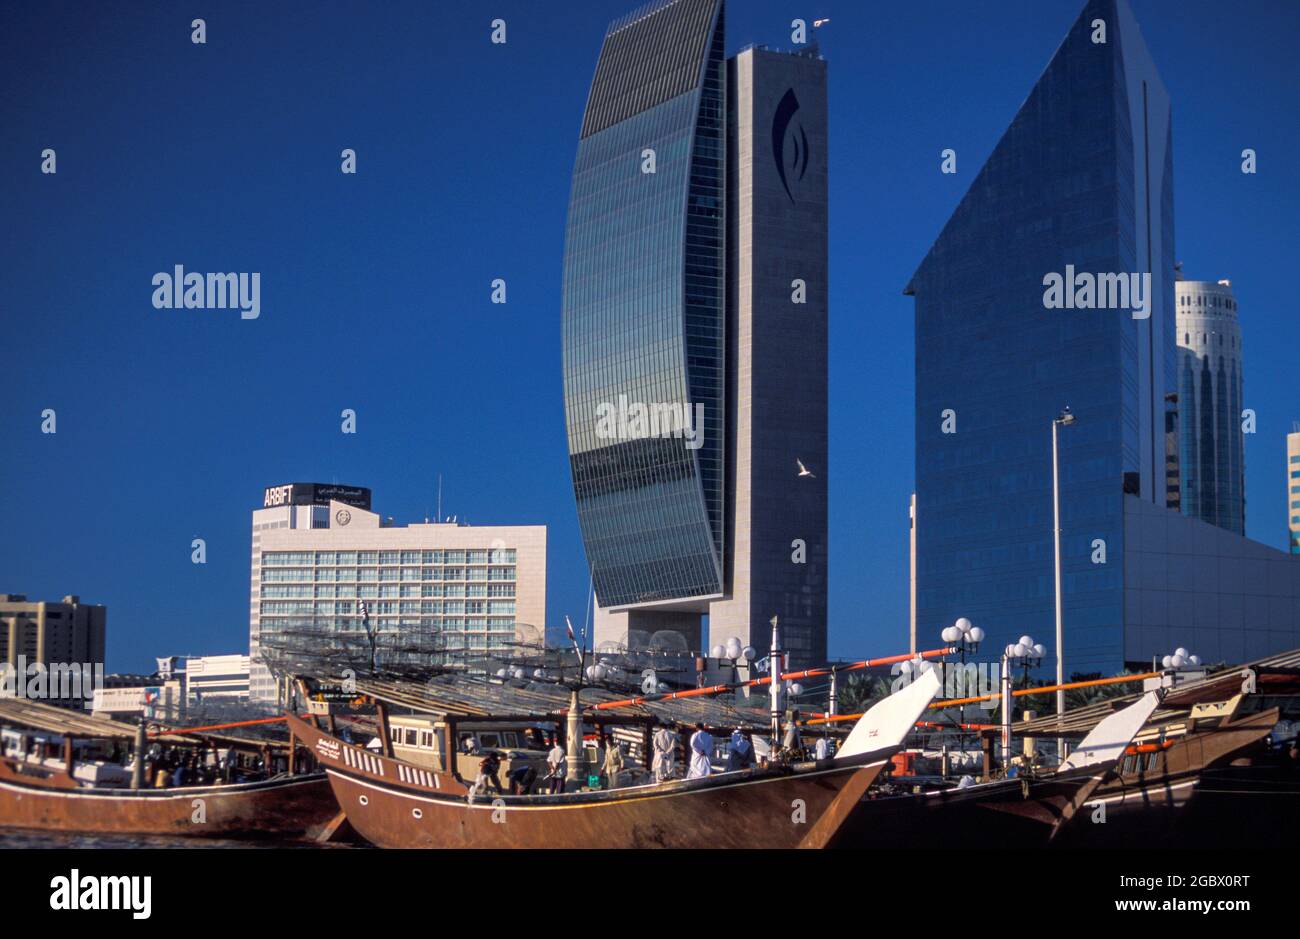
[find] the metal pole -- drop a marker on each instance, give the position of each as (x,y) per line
(834,702)
(1060,632)
(573,745)
(137,773)
(777,660)
(1006,713)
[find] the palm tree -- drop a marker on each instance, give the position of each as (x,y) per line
(857,692)
(1082,697)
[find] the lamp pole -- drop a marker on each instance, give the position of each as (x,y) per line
(1065,418)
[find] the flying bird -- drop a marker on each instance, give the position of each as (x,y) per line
(803,470)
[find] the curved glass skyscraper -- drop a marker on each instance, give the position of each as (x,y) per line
(643,307)
(694,319)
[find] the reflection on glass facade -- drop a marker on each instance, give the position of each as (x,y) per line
(643,312)
(1082,177)
(1211,459)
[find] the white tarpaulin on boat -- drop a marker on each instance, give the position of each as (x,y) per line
(889,722)
(1108,740)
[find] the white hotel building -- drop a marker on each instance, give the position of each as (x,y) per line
(318,551)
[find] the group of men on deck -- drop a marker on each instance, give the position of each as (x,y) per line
(663,763)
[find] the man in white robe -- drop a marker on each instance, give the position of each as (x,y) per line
(701,753)
(741,753)
(665,755)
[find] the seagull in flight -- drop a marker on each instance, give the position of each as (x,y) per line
(803,470)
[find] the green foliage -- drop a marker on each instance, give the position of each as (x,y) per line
(858,691)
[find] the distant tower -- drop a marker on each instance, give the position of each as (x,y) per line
(1293,488)
(1211,461)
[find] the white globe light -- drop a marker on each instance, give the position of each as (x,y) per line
(539,673)
(950,634)
(1040,650)
(1027,642)
(1178,661)
(1010,650)
(976,634)
(590,672)
(718,652)
(1167,662)
(1020,650)
(750,653)
(1180,652)
(600,672)
(796,689)
(1194,659)
(733,648)
(963,625)
(501,673)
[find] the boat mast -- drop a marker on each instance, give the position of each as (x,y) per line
(573,726)
(777,664)
(137,771)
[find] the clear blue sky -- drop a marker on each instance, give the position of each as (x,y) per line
(375,287)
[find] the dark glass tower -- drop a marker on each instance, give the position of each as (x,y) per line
(1082,177)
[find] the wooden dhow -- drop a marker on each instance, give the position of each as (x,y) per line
(399,804)
(47,794)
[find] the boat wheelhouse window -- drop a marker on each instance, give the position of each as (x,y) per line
(395,734)
(1130,764)
(1152,759)
(426,739)
(410,737)
(509,738)
(489,739)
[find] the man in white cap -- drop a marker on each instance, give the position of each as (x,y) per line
(741,753)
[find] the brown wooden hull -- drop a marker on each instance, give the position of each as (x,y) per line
(1148,802)
(1010,813)
(293,807)
(396,805)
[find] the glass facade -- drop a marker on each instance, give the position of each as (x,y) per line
(1082,177)
(643,314)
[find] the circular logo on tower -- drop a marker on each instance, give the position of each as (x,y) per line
(342,516)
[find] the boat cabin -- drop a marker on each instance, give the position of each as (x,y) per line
(421,740)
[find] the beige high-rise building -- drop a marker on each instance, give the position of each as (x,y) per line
(1293,491)
(61,635)
(322,560)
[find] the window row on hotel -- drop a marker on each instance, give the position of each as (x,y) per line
(386,591)
(348,607)
(272,624)
(390,574)
(353,558)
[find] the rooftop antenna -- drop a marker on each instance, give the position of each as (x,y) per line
(439,515)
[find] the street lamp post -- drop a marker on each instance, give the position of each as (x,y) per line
(1065,418)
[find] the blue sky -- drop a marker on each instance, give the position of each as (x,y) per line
(375,287)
